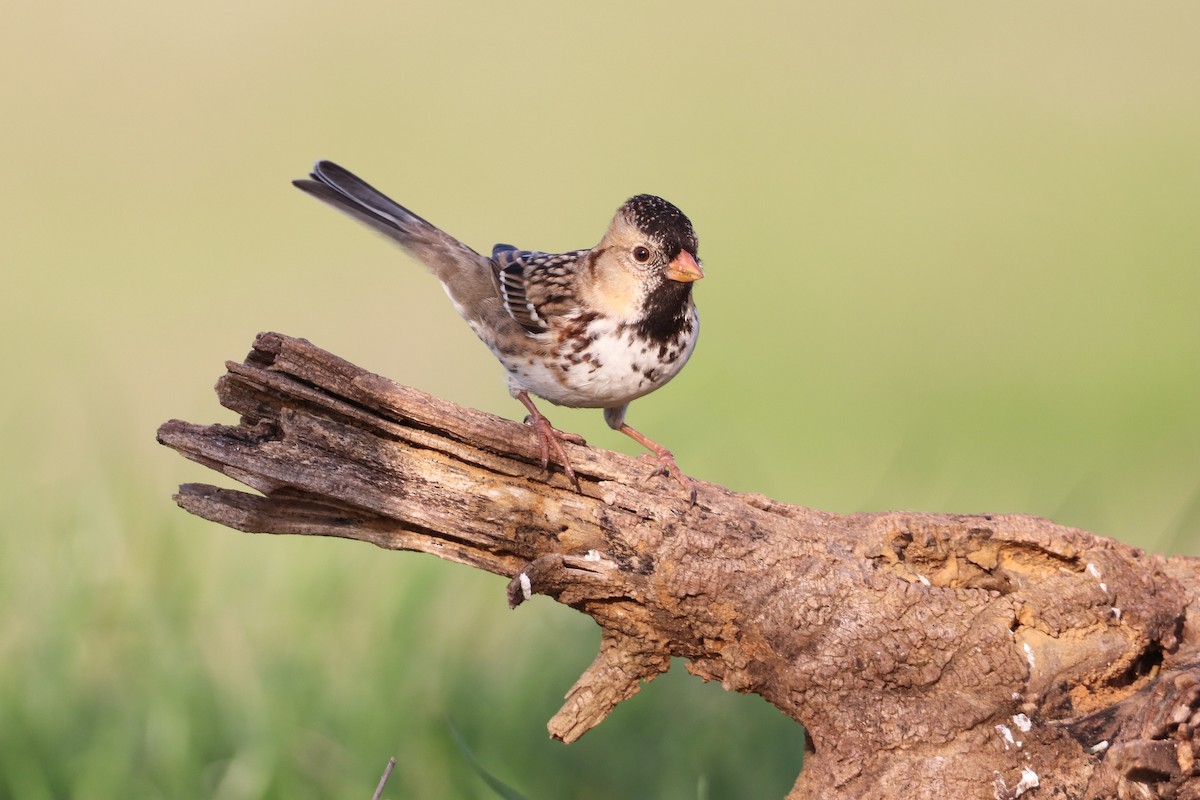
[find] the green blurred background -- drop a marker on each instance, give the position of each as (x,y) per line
(953,265)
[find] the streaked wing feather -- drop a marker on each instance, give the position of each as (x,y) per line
(516,301)
(535,286)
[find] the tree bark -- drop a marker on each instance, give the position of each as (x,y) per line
(927,655)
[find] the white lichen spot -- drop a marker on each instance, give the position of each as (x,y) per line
(1094,571)
(1029,655)
(1029,780)
(1098,747)
(526,586)
(1022,722)
(592,555)
(1006,733)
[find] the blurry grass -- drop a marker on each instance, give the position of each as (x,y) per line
(952,265)
(502,789)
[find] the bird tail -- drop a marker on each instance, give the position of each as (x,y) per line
(449,259)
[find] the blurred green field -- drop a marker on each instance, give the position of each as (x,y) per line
(953,264)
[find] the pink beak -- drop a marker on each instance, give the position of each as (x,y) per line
(684,268)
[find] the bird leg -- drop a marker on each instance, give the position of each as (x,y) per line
(549,436)
(666,461)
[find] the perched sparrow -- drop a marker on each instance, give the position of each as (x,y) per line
(592,328)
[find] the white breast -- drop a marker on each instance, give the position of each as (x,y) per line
(615,367)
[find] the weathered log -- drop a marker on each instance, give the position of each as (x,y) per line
(927,655)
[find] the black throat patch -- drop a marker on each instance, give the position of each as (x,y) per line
(665,311)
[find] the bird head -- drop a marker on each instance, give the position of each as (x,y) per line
(645,265)
(651,237)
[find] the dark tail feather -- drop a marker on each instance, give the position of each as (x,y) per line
(469,277)
(348,193)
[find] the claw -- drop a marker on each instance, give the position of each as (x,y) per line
(668,467)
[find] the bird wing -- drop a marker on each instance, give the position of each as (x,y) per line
(536,287)
(469,278)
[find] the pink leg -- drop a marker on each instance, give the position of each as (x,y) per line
(666,461)
(549,436)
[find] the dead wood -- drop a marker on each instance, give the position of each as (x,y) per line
(927,655)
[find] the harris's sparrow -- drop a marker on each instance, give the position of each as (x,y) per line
(593,328)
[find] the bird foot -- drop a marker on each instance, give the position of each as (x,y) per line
(666,466)
(666,461)
(551,437)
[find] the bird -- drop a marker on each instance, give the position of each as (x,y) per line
(592,328)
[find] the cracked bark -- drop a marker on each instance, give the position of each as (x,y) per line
(928,655)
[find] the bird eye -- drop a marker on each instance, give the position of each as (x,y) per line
(641,255)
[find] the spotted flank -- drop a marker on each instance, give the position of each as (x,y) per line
(594,361)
